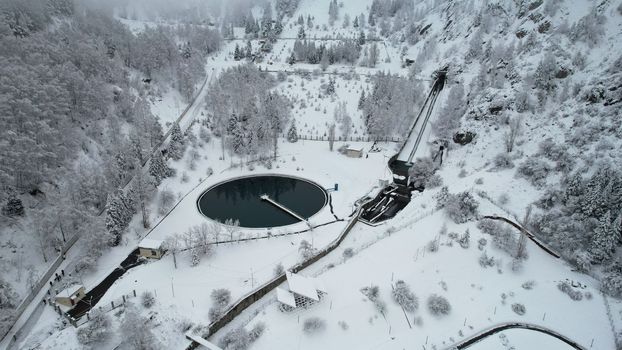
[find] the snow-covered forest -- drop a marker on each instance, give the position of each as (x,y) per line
(499,122)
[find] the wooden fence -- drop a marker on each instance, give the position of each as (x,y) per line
(352,138)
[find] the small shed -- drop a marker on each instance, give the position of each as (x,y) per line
(150,248)
(354,152)
(302,292)
(71,295)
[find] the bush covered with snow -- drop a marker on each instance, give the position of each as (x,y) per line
(97,330)
(235,339)
(240,338)
(136,331)
(279,269)
(373,294)
(434,181)
(567,288)
(256,331)
(404,296)
(313,325)
(438,305)
(535,170)
(465,239)
(147,299)
(421,171)
(13,207)
(220,300)
(461,207)
(306,250)
(486,261)
(519,309)
(503,161)
(348,253)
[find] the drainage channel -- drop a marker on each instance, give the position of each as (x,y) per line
(94,295)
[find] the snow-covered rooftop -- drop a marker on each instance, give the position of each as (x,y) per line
(357,149)
(286,297)
(69,291)
(304,286)
(150,244)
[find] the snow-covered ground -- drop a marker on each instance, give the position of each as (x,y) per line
(479,297)
(397,250)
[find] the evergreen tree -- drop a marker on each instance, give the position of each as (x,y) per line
(292,133)
(249,50)
(374,52)
(117,218)
(186,51)
(355,24)
(278,27)
(545,73)
(361,39)
(158,168)
(237,55)
(604,240)
(249,26)
(361,100)
(301,33)
(330,88)
(292,59)
(176,144)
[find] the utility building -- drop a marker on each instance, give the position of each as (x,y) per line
(150,248)
(302,292)
(71,295)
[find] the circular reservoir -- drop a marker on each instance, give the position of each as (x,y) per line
(240,199)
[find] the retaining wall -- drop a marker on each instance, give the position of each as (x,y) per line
(237,308)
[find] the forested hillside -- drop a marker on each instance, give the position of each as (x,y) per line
(76,90)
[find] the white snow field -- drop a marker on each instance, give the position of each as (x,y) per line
(479,297)
(398,249)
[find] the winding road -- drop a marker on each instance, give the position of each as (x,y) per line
(464,344)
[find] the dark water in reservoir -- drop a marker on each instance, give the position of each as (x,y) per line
(240,199)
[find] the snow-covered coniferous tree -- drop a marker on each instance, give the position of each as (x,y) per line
(176,144)
(292,133)
(158,169)
(604,240)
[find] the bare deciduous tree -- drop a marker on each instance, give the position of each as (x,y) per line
(173,245)
(510,136)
